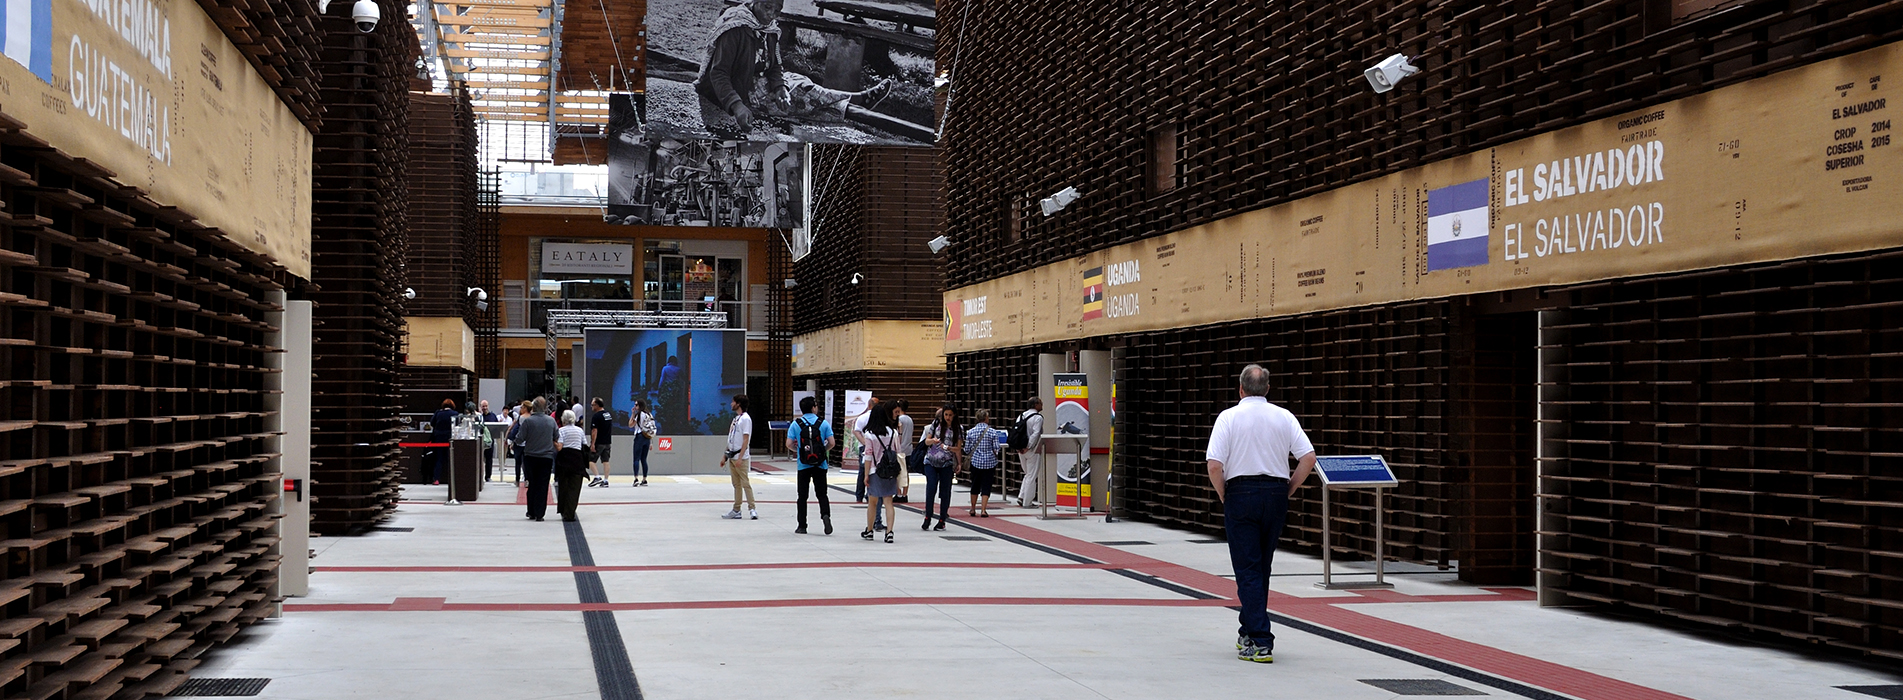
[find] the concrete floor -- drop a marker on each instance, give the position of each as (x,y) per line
(476,602)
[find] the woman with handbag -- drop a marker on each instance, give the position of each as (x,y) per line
(642,423)
(882,483)
(571,466)
(940,462)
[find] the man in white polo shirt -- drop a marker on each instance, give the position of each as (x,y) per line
(1249,451)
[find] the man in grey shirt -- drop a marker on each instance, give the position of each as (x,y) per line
(538,455)
(904,444)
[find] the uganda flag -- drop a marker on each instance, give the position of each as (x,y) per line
(1093,293)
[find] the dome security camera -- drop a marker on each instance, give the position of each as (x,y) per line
(365,13)
(857,278)
(478,294)
(409,294)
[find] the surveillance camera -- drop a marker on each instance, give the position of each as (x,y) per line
(857,278)
(791,283)
(409,293)
(1389,72)
(366,14)
(478,294)
(938,244)
(1055,203)
(323,6)
(482,306)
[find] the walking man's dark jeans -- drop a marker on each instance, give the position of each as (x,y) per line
(539,469)
(815,479)
(1253,512)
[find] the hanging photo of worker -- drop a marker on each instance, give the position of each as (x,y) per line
(817,71)
(697,182)
(630,179)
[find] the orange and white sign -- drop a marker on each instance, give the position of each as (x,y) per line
(665,444)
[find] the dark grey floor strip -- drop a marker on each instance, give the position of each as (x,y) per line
(614,671)
(1393,652)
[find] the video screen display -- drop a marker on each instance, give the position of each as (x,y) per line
(684,377)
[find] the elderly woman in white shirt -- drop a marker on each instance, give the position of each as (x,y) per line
(571,465)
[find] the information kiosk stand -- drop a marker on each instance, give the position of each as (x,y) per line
(1056,444)
(1361,471)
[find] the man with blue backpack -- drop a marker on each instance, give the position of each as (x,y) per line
(811,440)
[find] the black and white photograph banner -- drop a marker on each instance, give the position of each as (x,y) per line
(659,181)
(815,71)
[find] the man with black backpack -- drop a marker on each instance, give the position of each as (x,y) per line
(811,439)
(1024,438)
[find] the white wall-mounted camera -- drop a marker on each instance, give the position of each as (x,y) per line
(1390,72)
(365,13)
(409,294)
(1056,203)
(938,244)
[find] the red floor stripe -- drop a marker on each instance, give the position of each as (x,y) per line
(1327,612)
(756,604)
(699,567)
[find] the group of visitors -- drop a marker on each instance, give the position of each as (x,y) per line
(885,433)
(1250,448)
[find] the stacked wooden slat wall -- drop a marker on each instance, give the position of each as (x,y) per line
(444,235)
(873,210)
(1273,106)
(137,486)
(360,199)
(1727,447)
(486,250)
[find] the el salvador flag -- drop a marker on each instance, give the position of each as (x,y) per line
(27,29)
(1457,227)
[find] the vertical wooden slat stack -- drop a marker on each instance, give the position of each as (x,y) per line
(1722,447)
(137,489)
(446,252)
(358,226)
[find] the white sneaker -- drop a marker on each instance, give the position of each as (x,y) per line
(732,515)
(753,514)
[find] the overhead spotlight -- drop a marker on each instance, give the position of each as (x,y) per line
(409,294)
(857,278)
(790,283)
(1056,203)
(938,244)
(1390,72)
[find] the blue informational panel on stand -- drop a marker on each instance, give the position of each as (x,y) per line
(1357,470)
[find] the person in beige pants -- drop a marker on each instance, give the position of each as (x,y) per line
(739,433)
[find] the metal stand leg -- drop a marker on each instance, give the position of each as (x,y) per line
(1328,557)
(1380,548)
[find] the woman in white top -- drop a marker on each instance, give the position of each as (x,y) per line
(642,423)
(881,439)
(571,465)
